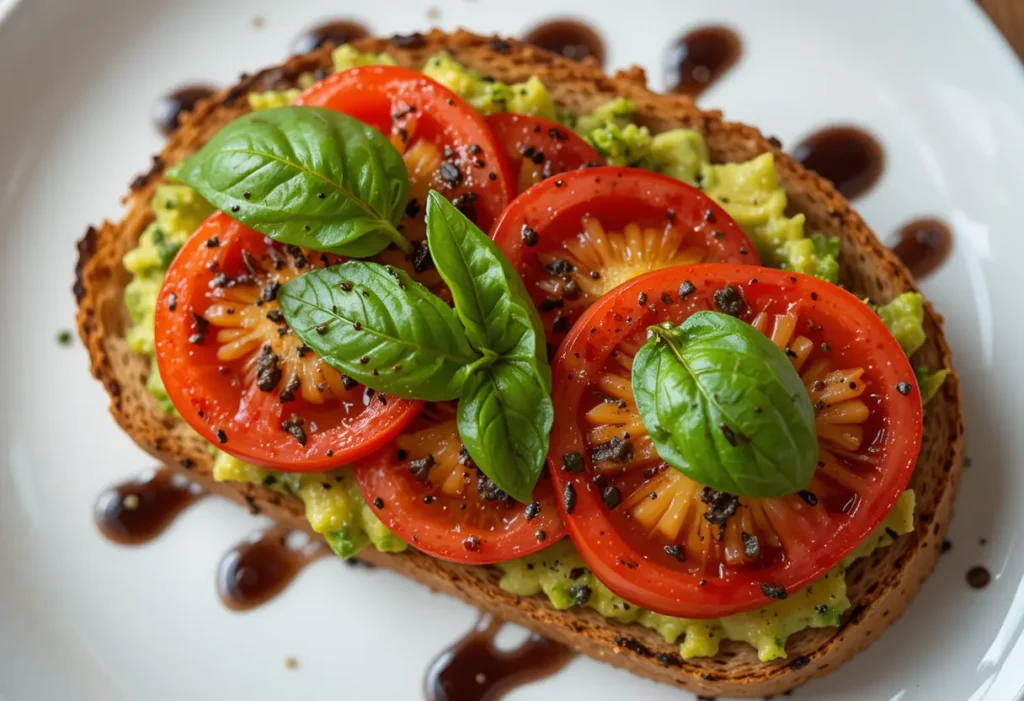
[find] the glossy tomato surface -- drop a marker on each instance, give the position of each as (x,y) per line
(236,373)
(446,144)
(576,237)
(425,487)
(667,543)
(539,148)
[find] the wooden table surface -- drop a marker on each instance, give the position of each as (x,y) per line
(1008,15)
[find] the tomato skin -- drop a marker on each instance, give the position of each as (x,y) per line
(250,419)
(442,525)
(406,105)
(653,580)
(616,196)
(539,148)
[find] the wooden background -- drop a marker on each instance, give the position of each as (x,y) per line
(1009,17)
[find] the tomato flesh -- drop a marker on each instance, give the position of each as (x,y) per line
(666,543)
(578,236)
(236,373)
(446,144)
(539,148)
(425,488)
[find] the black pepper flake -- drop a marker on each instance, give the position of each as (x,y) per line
(472,543)
(421,259)
(751,545)
(773,591)
(616,450)
(669,659)
(729,300)
(541,536)
(199,327)
(721,506)
(728,433)
(903,388)
(580,593)
(676,552)
(268,369)
(420,468)
(666,298)
(641,299)
(450,173)
(492,176)
(378,503)
(611,496)
(810,498)
(322,329)
(428,499)
(559,266)
(235,208)
(288,393)
(221,436)
(686,289)
(569,498)
(533,153)
(632,645)
(212,242)
(821,609)
(530,237)
(172,301)
(572,462)
(270,290)
(294,426)
(532,509)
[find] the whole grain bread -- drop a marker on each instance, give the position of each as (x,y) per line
(880,586)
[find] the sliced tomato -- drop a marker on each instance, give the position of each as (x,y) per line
(575,237)
(539,148)
(425,488)
(664,542)
(236,373)
(446,144)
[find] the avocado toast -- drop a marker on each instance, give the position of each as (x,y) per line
(879,585)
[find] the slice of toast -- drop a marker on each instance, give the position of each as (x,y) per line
(880,586)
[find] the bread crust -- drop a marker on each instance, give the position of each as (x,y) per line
(880,586)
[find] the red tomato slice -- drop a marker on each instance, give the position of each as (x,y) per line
(539,148)
(666,543)
(446,144)
(425,488)
(236,373)
(575,237)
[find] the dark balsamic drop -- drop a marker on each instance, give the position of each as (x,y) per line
(978,577)
(137,511)
(168,109)
(923,245)
(258,569)
(569,38)
(473,669)
(700,57)
(336,32)
(849,157)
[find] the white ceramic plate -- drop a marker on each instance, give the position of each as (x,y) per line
(81,618)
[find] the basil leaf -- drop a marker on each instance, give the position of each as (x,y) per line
(489,296)
(504,420)
(382,328)
(725,407)
(306,176)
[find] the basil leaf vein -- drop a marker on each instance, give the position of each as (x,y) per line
(504,419)
(412,341)
(724,405)
(306,176)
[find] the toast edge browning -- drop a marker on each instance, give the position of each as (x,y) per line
(880,586)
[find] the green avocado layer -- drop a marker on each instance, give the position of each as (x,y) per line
(749,191)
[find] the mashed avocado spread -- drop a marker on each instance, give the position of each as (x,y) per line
(749,191)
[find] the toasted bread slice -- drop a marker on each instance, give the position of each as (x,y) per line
(880,586)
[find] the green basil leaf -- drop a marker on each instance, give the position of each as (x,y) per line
(411,340)
(504,419)
(306,176)
(725,407)
(489,296)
